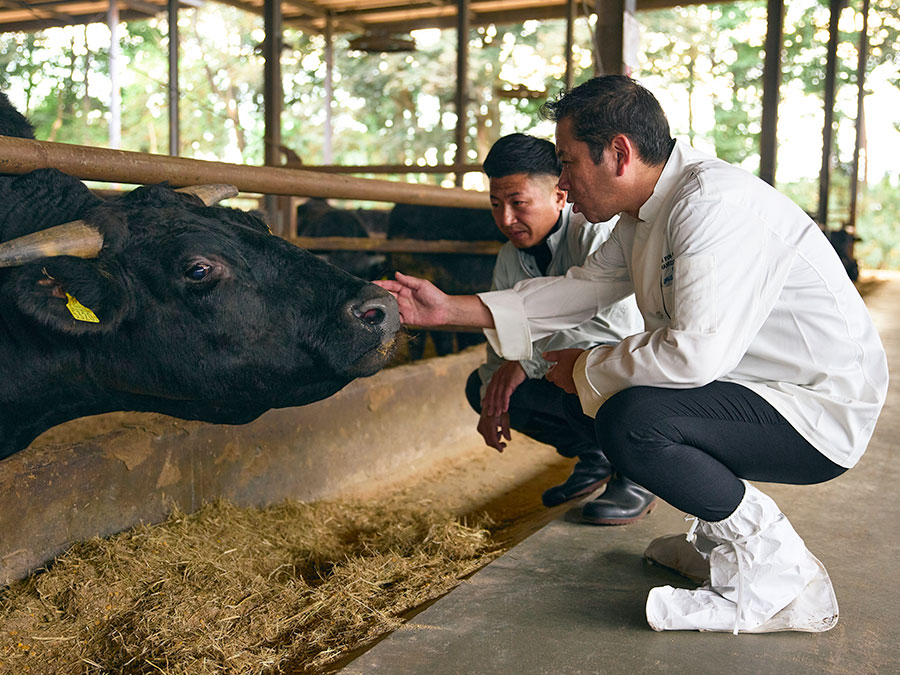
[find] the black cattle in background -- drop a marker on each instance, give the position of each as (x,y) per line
(453,273)
(317,218)
(843,241)
(161,303)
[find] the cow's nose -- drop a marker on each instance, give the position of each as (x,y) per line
(375,307)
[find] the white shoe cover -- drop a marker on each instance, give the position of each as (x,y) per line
(676,553)
(815,610)
(759,567)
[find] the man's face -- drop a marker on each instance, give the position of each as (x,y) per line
(591,187)
(526,207)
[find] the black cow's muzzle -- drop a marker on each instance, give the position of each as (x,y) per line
(374,317)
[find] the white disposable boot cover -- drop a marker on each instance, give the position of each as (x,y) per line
(762,579)
(687,554)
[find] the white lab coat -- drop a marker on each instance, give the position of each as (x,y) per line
(570,245)
(735,283)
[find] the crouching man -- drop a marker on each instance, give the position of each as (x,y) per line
(758,360)
(545,239)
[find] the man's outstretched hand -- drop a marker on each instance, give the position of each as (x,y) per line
(421,302)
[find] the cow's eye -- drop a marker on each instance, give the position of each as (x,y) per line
(197,272)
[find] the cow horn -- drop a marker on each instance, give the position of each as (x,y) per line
(210,194)
(76,239)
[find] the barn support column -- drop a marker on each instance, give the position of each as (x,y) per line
(570,43)
(462,83)
(615,37)
(768,138)
(829,98)
(174,140)
(273,101)
(329,87)
(115,94)
(860,115)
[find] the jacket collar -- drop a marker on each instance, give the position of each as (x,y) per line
(682,154)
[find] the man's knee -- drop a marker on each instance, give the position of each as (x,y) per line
(473,391)
(629,425)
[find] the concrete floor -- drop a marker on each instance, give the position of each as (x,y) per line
(570,598)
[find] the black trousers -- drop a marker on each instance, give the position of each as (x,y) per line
(691,446)
(537,409)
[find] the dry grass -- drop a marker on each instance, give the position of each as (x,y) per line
(287,588)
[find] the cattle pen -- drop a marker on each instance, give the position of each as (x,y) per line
(99,476)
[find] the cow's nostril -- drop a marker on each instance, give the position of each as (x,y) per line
(373,316)
(374,310)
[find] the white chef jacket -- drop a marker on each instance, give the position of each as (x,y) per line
(735,283)
(570,245)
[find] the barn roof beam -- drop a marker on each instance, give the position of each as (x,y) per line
(33,25)
(429,15)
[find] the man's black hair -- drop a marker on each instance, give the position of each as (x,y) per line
(521,153)
(614,104)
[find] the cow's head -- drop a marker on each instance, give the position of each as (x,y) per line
(196,310)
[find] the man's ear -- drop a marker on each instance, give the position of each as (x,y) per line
(559,197)
(623,152)
(69,295)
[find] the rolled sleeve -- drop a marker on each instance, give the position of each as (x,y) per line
(511,338)
(590,398)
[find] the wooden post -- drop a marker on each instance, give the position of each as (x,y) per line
(462,81)
(612,39)
(570,43)
(174,140)
(273,98)
(829,98)
(115,95)
(768,137)
(860,114)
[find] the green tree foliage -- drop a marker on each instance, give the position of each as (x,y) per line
(705,62)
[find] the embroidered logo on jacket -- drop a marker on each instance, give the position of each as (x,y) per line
(667,268)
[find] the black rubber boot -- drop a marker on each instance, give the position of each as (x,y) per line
(622,502)
(591,472)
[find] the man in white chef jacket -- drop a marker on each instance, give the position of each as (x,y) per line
(758,360)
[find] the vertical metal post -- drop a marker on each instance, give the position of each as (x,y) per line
(570,43)
(273,102)
(329,87)
(860,113)
(174,140)
(462,82)
(829,98)
(115,94)
(768,137)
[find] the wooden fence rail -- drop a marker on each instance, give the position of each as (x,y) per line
(381,245)
(20,155)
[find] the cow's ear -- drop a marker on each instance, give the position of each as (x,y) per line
(70,295)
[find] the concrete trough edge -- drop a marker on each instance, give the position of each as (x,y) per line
(375,430)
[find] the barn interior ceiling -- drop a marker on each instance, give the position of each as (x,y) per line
(347,16)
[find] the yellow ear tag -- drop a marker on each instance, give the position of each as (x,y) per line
(79,311)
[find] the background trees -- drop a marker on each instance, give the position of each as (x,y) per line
(703,61)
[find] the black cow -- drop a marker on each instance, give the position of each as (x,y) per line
(157,302)
(843,242)
(453,273)
(317,218)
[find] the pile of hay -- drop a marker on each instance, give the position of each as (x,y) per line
(287,588)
